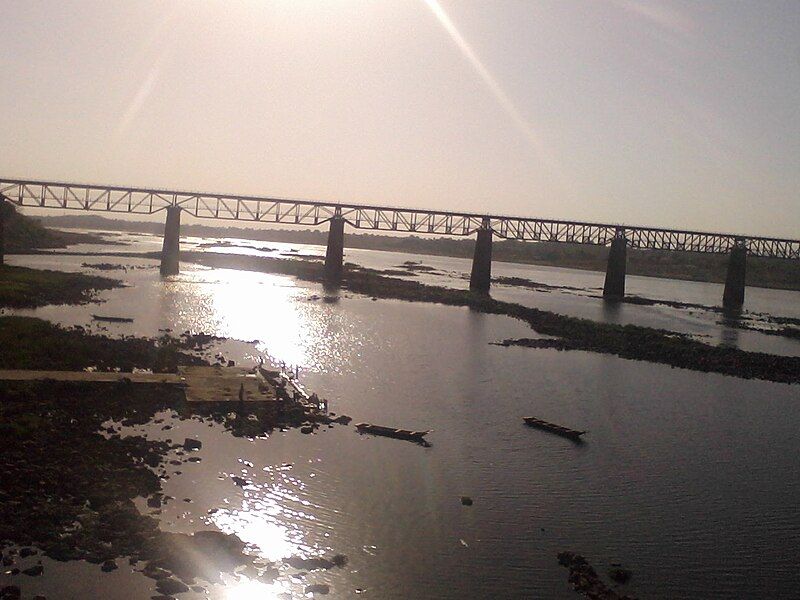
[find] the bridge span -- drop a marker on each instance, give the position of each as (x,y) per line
(286,211)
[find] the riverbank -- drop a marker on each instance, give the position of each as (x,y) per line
(22,233)
(21,287)
(73,462)
(75,456)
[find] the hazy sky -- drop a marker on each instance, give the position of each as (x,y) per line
(683,114)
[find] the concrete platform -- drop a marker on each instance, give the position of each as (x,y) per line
(220,384)
(33,375)
(202,384)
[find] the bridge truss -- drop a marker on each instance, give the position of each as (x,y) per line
(286,211)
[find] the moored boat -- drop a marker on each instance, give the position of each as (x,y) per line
(112,319)
(572,434)
(401,434)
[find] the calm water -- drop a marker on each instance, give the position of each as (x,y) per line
(688,479)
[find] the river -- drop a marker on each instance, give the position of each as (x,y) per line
(686,478)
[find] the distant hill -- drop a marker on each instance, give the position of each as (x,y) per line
(761,272)
(23,233)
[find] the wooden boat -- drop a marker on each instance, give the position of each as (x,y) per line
(553,428)
(112,319)
(401,434)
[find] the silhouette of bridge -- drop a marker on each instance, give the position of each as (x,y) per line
(287,211)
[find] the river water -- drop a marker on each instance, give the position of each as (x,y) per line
(689,479)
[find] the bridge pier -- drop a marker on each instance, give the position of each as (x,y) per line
(170,251)
(733,297)
(481,276)
(614,286)
(3,210)
(334,254)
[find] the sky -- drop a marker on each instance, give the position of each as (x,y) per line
(664,113)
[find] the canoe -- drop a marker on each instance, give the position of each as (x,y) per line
(112,319)
(553,428)
(401,434)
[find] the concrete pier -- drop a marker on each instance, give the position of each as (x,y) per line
(614,287)
(170,251)
(733,297)
(334,255)
(481,277)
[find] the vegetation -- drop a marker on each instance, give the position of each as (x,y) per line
(28,288)
(23,233)
(36,344)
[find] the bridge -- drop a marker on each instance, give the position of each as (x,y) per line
(286,211)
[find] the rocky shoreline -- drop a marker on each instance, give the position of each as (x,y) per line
(71,473)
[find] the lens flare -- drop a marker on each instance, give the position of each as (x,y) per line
(502,98)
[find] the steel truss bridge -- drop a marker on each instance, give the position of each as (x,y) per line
(142,201)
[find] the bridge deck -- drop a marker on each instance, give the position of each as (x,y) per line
(285,211)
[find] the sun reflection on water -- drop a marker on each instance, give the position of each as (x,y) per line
(249,589)
(271,516)
(293,324)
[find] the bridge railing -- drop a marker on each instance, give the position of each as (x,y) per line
(377,218)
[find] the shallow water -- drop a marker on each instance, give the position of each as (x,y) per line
(686,478)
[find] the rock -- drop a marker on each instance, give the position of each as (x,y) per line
(109,565)
(169,586)
(466,500)
(190,444)
(34,571)
(156,573)
(620,575)
(343,420)
(318,588)
(10,592)
(154,502)
(307,429)
(240,481)
(339,560)
(25,552)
